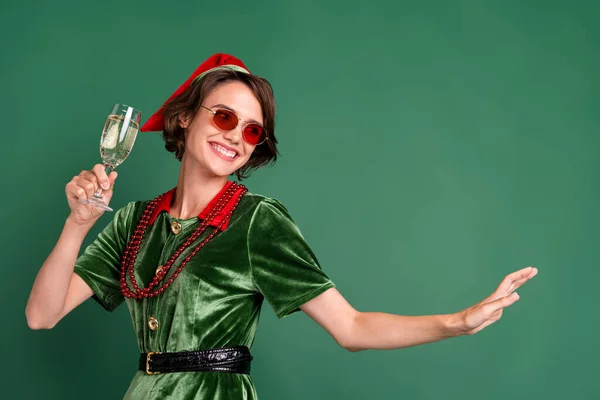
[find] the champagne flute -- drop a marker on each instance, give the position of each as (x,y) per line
(118,137)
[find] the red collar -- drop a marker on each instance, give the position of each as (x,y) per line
(164,204)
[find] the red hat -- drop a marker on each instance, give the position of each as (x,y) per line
(156,121)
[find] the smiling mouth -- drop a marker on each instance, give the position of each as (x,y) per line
(222,150)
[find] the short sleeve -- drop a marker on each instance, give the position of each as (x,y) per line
(99,265)
(284,268)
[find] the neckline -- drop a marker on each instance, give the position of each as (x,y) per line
(164,205)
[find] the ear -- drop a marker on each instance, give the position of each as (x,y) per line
(184,120)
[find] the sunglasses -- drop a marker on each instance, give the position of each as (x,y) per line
(226,120)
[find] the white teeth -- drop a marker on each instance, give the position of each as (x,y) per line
(223,150)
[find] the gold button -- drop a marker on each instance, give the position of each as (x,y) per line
(176,227)
(159,269)
(153,323)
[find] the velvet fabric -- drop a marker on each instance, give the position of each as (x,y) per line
(216,300)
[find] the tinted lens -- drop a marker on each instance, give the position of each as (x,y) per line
(225,120)
(254,133)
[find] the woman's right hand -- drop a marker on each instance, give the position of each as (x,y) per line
(83,186)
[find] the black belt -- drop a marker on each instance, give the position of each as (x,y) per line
(229,359)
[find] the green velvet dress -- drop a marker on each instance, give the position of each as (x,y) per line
(216,300)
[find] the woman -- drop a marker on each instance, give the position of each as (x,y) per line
(194,264)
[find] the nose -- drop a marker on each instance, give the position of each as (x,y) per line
(234,135)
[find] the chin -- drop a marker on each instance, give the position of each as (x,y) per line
(222,173)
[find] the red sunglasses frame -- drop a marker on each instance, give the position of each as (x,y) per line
(244,126)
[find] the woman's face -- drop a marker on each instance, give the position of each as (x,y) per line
(218,152)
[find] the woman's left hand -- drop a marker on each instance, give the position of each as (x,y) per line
(489,310)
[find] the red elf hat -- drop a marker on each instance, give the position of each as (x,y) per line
(156,122)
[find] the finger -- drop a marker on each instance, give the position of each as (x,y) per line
(520,274)
(107,194)
(517,284)
(506,301)
(515,276)
(112,177)
(523,273)
(75,191)
(100,173)
(90,176)
(509,287)
(88,186)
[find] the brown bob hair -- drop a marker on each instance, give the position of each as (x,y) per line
(188,103)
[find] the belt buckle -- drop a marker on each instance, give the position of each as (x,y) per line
(148,363)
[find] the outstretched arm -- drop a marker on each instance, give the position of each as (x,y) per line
(357,331)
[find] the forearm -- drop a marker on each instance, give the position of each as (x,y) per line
(51,286)
(356,330)
(374,330)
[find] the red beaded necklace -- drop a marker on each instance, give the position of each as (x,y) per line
(233,194)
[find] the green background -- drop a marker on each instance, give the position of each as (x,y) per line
(428,149)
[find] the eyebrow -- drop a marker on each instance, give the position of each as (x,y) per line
(233,111)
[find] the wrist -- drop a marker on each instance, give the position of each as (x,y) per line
(72,223)
(455,324)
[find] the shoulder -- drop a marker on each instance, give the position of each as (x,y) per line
(268,214)
(262,206)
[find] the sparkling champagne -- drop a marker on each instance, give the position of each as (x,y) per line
(118,138)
